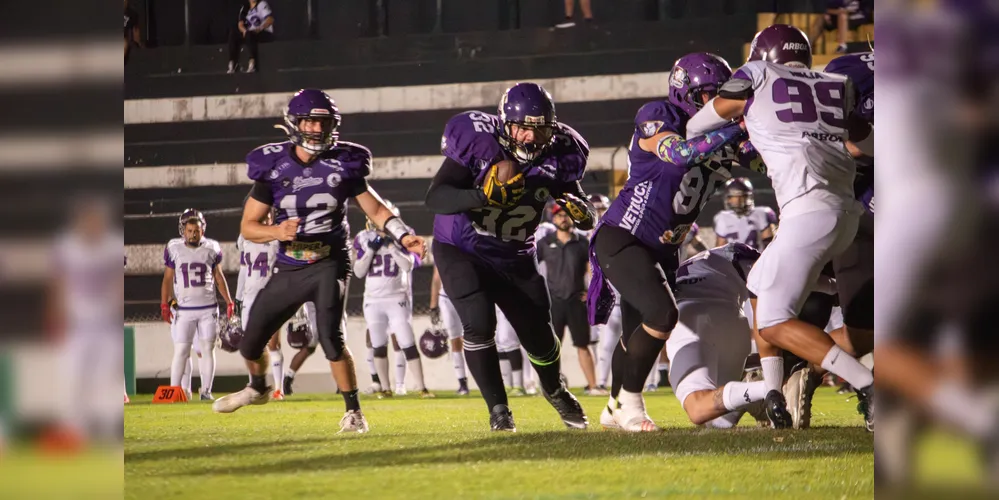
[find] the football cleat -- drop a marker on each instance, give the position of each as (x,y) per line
(756,409)
(798,392)
(277,396)
(374,388)
(206,396)
(866,406)
(568,408)
(516,392)
(384,394)
(248,396)
(400,390)
(501,419)
(633,417)
(595,391)
(425,394)
(607,419)
(776,407)
(287,386)
(531,389)
(463,389)
(353,421)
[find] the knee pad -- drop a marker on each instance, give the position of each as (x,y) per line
(516,360)
(311,349)
(859,313)
(411,352)
(503,355)
(380,352)
(817,308)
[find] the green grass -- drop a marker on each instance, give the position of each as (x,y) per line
(442,449)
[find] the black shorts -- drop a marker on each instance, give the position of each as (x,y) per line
(323,283)
(571,313)
(644,279)
(854,270)
(476,288)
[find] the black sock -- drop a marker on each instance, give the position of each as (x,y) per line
(516,360)
(550,376)
(462,382)
(485,369)
(258,383)
(643,353)
(374,378)
(618,360)
(350,400)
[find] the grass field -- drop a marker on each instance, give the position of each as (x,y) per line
(442,449)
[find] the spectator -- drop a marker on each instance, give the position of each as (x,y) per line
(131,29)
(841,16)
(256,25)
(569,7)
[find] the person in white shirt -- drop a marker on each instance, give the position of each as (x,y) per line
(256,25)
(188,292)
(742,221)
(388,304)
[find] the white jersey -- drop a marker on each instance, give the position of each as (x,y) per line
(256,260)
(747,228)
(797,121)
(194,278)
(92,288)
(388,271)
(718,274)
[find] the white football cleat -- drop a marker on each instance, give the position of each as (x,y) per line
(353,421)
(248,396)
(400,390)
(607,419)
(630,414)
(374,388)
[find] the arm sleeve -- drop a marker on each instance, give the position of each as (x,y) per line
(403,258)
(261,191)
(688,153)
(363,262)
(355,186)
(452,190)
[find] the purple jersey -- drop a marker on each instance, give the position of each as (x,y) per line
(660,201)
(859,68)
(506,235)
(316,194)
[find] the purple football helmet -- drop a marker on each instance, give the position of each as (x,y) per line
(739,195)
(693,74)
(782,44)
(527,105)
(231,333)
(433,343)
(312,104)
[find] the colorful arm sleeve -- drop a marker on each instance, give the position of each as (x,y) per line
(688,153)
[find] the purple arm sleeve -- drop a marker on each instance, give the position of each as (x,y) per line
(674,149)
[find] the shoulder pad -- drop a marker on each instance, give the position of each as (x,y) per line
(470,139)
(261,161)
(354,158)
(659,116)
(213,244)
(736,88)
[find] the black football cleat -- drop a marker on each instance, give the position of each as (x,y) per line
(287,386)
(865,406)
(776,407)
(501,419)
(568,408)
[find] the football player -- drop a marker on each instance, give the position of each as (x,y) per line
(443,315)
(635,247)
(489,196)
(309,179)
(799,121)
(191,293)
(742,220)
(388,299)
(255,263)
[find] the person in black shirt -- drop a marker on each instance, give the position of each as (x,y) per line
(565,254)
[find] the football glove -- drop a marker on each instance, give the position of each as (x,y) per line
(230,309)
(575,207)
(376,242)
(166,310)
(503,194)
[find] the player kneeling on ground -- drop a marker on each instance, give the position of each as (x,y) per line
(309,179)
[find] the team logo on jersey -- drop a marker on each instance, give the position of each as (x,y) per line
(548,170)
(274,174)
(678,78)
(307,172)
(650,128)
(542,194)
(869,103)
(333,180)
(300,183)
(285,183)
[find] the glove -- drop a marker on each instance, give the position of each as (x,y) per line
(230,309)
(239,307)
(750,158)
(376,242)
(503,194)
(166,313)
(574,206)
(435,316)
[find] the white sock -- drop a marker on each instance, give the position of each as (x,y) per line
(663,366)
(291,373)
(416,368)
(517,377)
(773,372)
(458,358)
(382,369)
(371,362)
(507,370)
(206,366)
(185,381)
(181,357)
(630,399)
(603,367)
(727,421)
(400,369)
(738,395)
(277,368)
(653,378)
(959,406)
(847,367)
